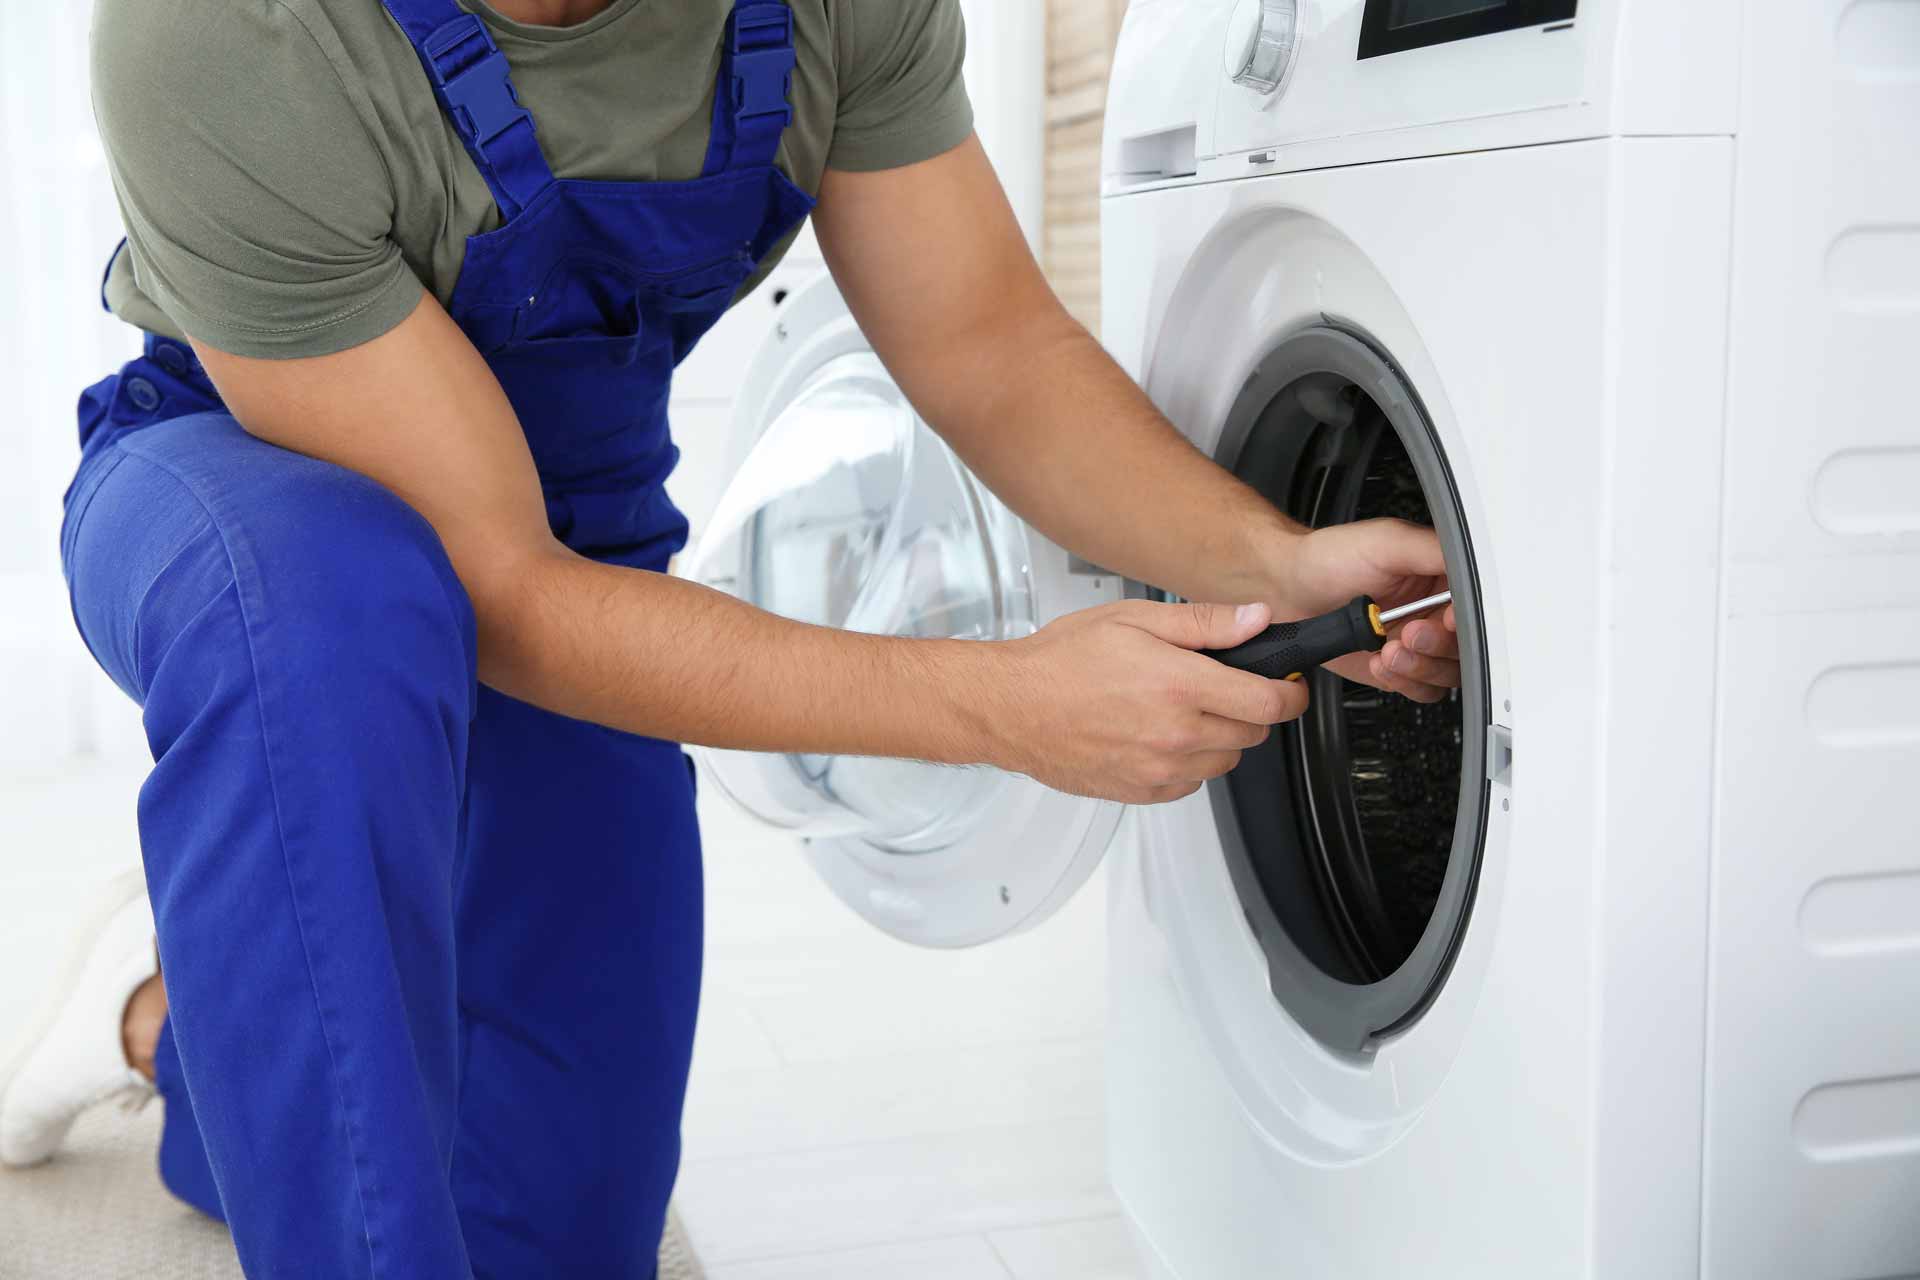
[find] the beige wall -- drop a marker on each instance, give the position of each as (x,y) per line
(1080,40)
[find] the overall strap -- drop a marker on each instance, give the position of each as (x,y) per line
(751,109)
(469,77)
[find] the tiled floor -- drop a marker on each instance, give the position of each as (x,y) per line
(860,1110)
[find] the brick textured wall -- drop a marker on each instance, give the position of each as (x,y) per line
(1080,39)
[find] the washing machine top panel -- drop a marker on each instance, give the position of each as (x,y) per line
(1216,90)
(845,510)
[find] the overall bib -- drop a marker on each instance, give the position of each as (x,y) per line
(433,955)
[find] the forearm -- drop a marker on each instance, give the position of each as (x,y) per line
(1069,441)
(659,656)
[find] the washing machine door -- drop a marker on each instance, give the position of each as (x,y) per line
(846,510)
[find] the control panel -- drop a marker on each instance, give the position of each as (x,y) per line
(1217,90)
(1358,67)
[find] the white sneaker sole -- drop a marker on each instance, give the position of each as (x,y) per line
(111,897)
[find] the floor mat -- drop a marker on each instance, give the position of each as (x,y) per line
(98,1212)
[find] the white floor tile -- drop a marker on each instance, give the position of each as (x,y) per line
(754,1207)
(882,1099)
(854,992)
(965,1258)
(1097,1249)
(730,1039)
(911,1007)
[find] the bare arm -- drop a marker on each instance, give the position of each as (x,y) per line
(934,266)
(419,411)
(1108,704)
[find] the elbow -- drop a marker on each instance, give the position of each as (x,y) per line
(508,587)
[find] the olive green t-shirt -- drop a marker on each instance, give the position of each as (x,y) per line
(289,183)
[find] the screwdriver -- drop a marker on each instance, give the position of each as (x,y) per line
(1287,650)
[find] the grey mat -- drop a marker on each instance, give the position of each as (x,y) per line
(98,1212)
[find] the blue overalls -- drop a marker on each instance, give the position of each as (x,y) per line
(433,955)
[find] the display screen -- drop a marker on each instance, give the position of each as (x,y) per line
(1407,13)
(1395,26)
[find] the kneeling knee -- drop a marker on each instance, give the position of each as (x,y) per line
(370,573)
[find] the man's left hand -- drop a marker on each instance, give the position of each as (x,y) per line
(1396,563)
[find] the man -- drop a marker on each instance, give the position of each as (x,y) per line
(375,533)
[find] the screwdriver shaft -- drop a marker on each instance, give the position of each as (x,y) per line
(1391,616)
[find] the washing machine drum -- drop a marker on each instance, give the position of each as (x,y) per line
(1354,835)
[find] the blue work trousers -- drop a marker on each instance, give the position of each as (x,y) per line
(432,954)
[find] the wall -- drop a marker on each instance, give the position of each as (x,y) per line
(58,222)
(1080,38)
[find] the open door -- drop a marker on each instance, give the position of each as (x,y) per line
(846,510)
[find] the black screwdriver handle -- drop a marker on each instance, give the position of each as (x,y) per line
(1287,650)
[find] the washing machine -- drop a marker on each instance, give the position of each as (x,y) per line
(1608,966)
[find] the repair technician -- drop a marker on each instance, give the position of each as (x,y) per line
(375,532)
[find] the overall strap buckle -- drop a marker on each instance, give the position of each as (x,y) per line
(763,62)
(479,96)
(470,78)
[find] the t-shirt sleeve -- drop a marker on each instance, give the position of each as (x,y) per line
(903,97)
(258,209)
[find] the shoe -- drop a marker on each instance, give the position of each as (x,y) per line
(71,1058)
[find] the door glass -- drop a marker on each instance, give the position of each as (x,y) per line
(851,513)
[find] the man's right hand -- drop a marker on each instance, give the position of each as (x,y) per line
(1115,702)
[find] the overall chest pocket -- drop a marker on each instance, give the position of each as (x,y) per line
(593,309)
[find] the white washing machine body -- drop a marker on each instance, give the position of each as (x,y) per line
(1637,281)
